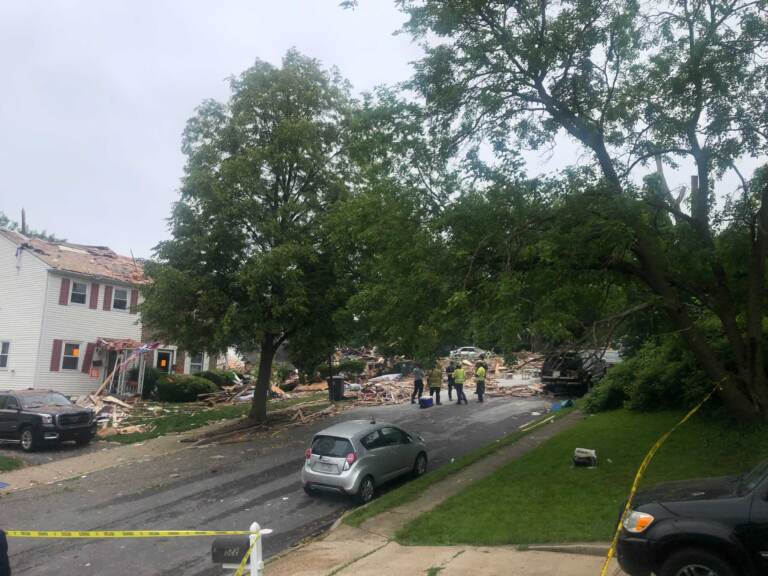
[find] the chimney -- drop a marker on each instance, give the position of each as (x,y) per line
(23,222)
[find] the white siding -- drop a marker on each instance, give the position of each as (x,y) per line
(22,299)
(78,323)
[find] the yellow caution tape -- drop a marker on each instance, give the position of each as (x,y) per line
(122,533)
(641,472)
(244,561)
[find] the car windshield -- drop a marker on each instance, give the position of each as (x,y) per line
(44,399)
(331,446)
(751,479)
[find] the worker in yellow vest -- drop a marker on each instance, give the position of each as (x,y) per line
(459,376)
(435,381)
(480,382)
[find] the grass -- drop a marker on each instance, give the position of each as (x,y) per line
(541,497)
(412,490)
(7,464)
(183,417)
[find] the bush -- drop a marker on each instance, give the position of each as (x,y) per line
(607,395)
(151,377)
(183,388)
(662,375)
(281,371)
(219,377)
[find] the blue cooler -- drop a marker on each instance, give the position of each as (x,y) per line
(425,402)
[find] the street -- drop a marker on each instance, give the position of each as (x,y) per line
(220,487)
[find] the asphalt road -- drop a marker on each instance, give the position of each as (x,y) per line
(219,487)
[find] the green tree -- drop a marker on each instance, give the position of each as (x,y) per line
(388,234)
(247,265)
(632,84)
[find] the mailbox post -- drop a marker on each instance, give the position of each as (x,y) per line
(229,551)
(257,562)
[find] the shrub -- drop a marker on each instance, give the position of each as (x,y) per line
(183,388)
(281,371)
(607,395)
(219,377)
(151,377)
(662,375)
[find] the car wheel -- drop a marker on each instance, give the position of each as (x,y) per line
(83,440)
(28,440)
(308,490)
(696,562)
(420,466)
(366,490)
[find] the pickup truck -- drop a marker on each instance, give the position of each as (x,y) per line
(707,527)
(33,418)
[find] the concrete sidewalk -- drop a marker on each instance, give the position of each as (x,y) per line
(371,550)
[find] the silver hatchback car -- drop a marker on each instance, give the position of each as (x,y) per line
(355,457)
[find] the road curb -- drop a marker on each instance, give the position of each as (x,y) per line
(596,549)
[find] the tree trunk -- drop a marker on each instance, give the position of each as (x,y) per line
(738,392)
(259,405)
(758,383)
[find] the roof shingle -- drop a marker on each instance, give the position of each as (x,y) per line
(96,261)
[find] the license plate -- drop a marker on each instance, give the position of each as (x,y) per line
(322,467)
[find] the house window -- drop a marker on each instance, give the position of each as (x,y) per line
(71,358)
(120,299)
(195,363)
(79,293)
(5,348)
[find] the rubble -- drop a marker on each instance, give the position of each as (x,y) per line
(387,389)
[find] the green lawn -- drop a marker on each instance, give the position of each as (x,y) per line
(7,464)
(177,418)
(541,498)
(412,490)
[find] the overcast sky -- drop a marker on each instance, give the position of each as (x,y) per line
(94,95)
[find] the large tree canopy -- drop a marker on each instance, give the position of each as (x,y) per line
(632,83)
(248,265)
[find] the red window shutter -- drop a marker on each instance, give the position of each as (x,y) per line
(94,296)
(134,301)
(107,297)
(56,355)
(64,292)
(88,359)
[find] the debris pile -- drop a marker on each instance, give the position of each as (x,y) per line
(110,413)
(387,389)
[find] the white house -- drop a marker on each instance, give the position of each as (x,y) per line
(62,308)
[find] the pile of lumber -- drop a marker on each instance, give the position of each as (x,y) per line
(237,393)
(108,409)
(110,413)
(524,391)
(388,389)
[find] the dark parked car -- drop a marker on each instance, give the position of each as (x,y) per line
(32,418)
(711,527)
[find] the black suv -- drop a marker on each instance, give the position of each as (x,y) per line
(711,527)
(34,417)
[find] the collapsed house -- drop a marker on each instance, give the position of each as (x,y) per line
(69,315)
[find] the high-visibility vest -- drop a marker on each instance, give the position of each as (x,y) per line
(480,374)
(459,375)
(435,378)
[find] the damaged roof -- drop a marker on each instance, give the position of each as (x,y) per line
(96,261)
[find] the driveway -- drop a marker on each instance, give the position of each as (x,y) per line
(53,454)
(219,487)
